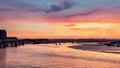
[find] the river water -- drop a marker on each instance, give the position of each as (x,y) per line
(55,56)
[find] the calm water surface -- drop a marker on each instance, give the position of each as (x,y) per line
(55,56)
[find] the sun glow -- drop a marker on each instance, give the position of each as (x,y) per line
(94,25)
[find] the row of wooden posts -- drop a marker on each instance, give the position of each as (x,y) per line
(4,44)
(15,43)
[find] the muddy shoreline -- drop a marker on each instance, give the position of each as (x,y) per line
(98,48)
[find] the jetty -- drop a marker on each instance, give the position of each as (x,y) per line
(9,41)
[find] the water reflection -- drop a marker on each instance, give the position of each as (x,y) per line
(2,58)
(55,56)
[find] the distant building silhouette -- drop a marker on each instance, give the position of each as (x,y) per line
(3,34)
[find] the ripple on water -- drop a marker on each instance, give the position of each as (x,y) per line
(52,56)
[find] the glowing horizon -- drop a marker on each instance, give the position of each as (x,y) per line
(60,18)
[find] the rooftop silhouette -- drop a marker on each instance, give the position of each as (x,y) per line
(3,34)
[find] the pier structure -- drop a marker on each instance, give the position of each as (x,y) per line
(9,41)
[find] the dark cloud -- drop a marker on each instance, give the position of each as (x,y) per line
(62,10)
(62,6)
(84,13)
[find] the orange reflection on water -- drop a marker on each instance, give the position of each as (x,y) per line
(53,56)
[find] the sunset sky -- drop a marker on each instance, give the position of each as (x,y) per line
(60,18)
